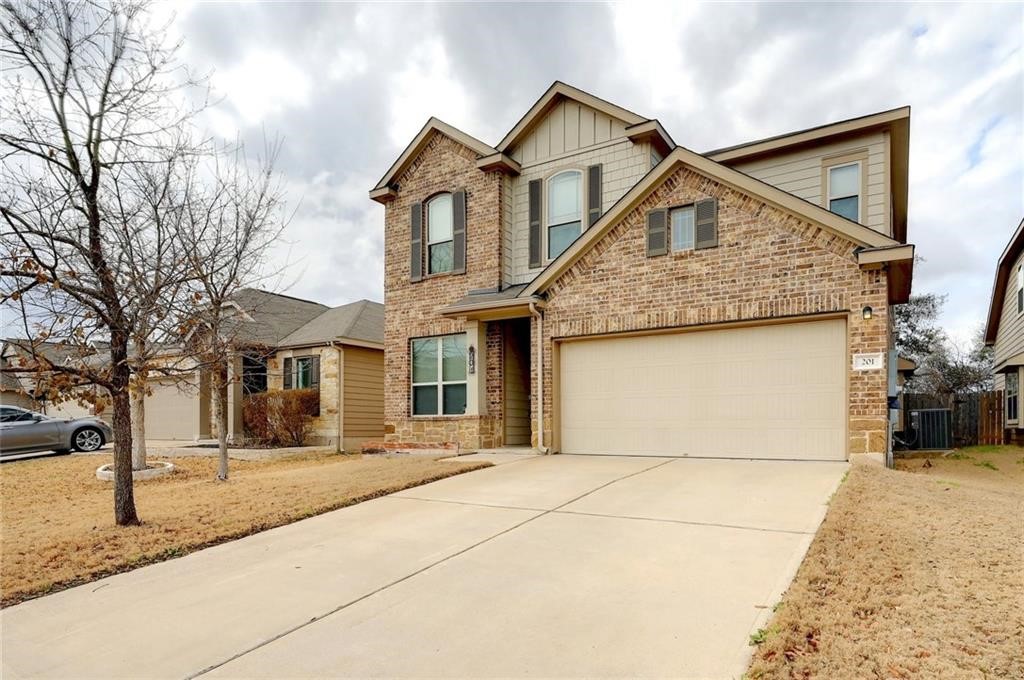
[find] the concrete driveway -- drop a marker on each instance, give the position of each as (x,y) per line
(550,566)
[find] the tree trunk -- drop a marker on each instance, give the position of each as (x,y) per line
(220,414)
(124,495)
(138,411)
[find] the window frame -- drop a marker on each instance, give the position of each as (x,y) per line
(691,207)
(857,157)
(1020,289)
(297,362)
(545,210)
(427,243)
(439,382)
(1014,399)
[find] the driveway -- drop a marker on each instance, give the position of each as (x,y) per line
(546,566)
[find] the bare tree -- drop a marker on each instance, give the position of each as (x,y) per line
(90,102)
(231,228)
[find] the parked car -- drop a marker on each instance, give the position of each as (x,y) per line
(23,431)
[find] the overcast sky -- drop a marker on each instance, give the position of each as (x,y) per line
(348,86)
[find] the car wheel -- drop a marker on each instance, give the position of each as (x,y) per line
(87,439)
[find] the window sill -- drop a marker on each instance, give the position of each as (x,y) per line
(460,416)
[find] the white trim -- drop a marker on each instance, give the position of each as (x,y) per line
(545,203)
(860,178)
(440,383)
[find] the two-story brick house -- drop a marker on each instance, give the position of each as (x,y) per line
(588,286)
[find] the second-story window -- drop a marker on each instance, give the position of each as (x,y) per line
(440,241)
(682,228)
(844,190)
(565,200)
(1020,288)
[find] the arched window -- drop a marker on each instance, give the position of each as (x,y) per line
(440,243)
(565,201)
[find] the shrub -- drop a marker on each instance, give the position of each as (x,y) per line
(281,417)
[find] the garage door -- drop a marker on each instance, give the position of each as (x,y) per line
(759,392)
(168,411)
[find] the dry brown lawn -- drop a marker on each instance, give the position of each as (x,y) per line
(57,530)
(917,573)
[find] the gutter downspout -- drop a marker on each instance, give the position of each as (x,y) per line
(540,375)
(339,448)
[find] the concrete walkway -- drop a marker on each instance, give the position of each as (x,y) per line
(557,566)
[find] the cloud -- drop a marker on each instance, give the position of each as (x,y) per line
(347,86)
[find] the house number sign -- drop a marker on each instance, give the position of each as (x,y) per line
(868,362)
(471,360)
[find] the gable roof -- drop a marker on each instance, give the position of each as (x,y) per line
(895,121)
(681,156)
(267,318)
(407,156)
(1003,270)
(550,98)
(361,321)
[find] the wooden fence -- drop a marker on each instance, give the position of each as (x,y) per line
(977,417)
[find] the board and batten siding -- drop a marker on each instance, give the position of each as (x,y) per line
(569,126)
(623,164)
(364,396)
(1010,337)
(800,173)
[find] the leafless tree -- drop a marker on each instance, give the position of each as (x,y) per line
(95,121)
(231,228)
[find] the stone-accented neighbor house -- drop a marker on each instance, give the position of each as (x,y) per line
(1004,331)
(586,285)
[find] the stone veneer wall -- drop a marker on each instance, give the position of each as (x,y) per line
(325,426)
(411,309)
(768,264)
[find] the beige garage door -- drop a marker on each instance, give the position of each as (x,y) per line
(759,392)
(168,411)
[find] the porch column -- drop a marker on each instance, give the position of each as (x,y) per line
(234,399)
(476,371)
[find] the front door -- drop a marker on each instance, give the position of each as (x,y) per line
(517,381)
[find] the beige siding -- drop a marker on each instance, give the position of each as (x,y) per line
(568,127)
(19,399)
(800,173)
(623,164)
(1010,338)
(364,396)
(517,384)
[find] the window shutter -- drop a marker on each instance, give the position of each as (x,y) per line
(705,223)
(594,191)
(657,232)
(416,242)
(314,372)
(459,232)
(288,373)
(535,260)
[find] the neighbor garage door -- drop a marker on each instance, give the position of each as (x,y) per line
(168,411)
(774,391)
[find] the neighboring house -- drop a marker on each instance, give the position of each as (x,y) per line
(32,391)
(282,343)
(587,286)
(1005,332)
(286,343)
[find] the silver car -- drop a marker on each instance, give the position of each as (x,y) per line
(23,431)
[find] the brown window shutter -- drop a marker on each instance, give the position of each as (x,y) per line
(459,232)
(657,232)
(705,223)
(314,372)
(288,373)
(535,260)
(594,191)
(416,242)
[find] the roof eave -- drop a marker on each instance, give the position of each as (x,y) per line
(653,132)
(995,304)
(494,310)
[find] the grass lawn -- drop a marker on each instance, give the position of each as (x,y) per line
(57,521)
(915,573)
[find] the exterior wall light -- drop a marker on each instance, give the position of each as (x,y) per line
(867,312)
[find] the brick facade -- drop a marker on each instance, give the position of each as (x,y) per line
(768,264)
(412,307)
